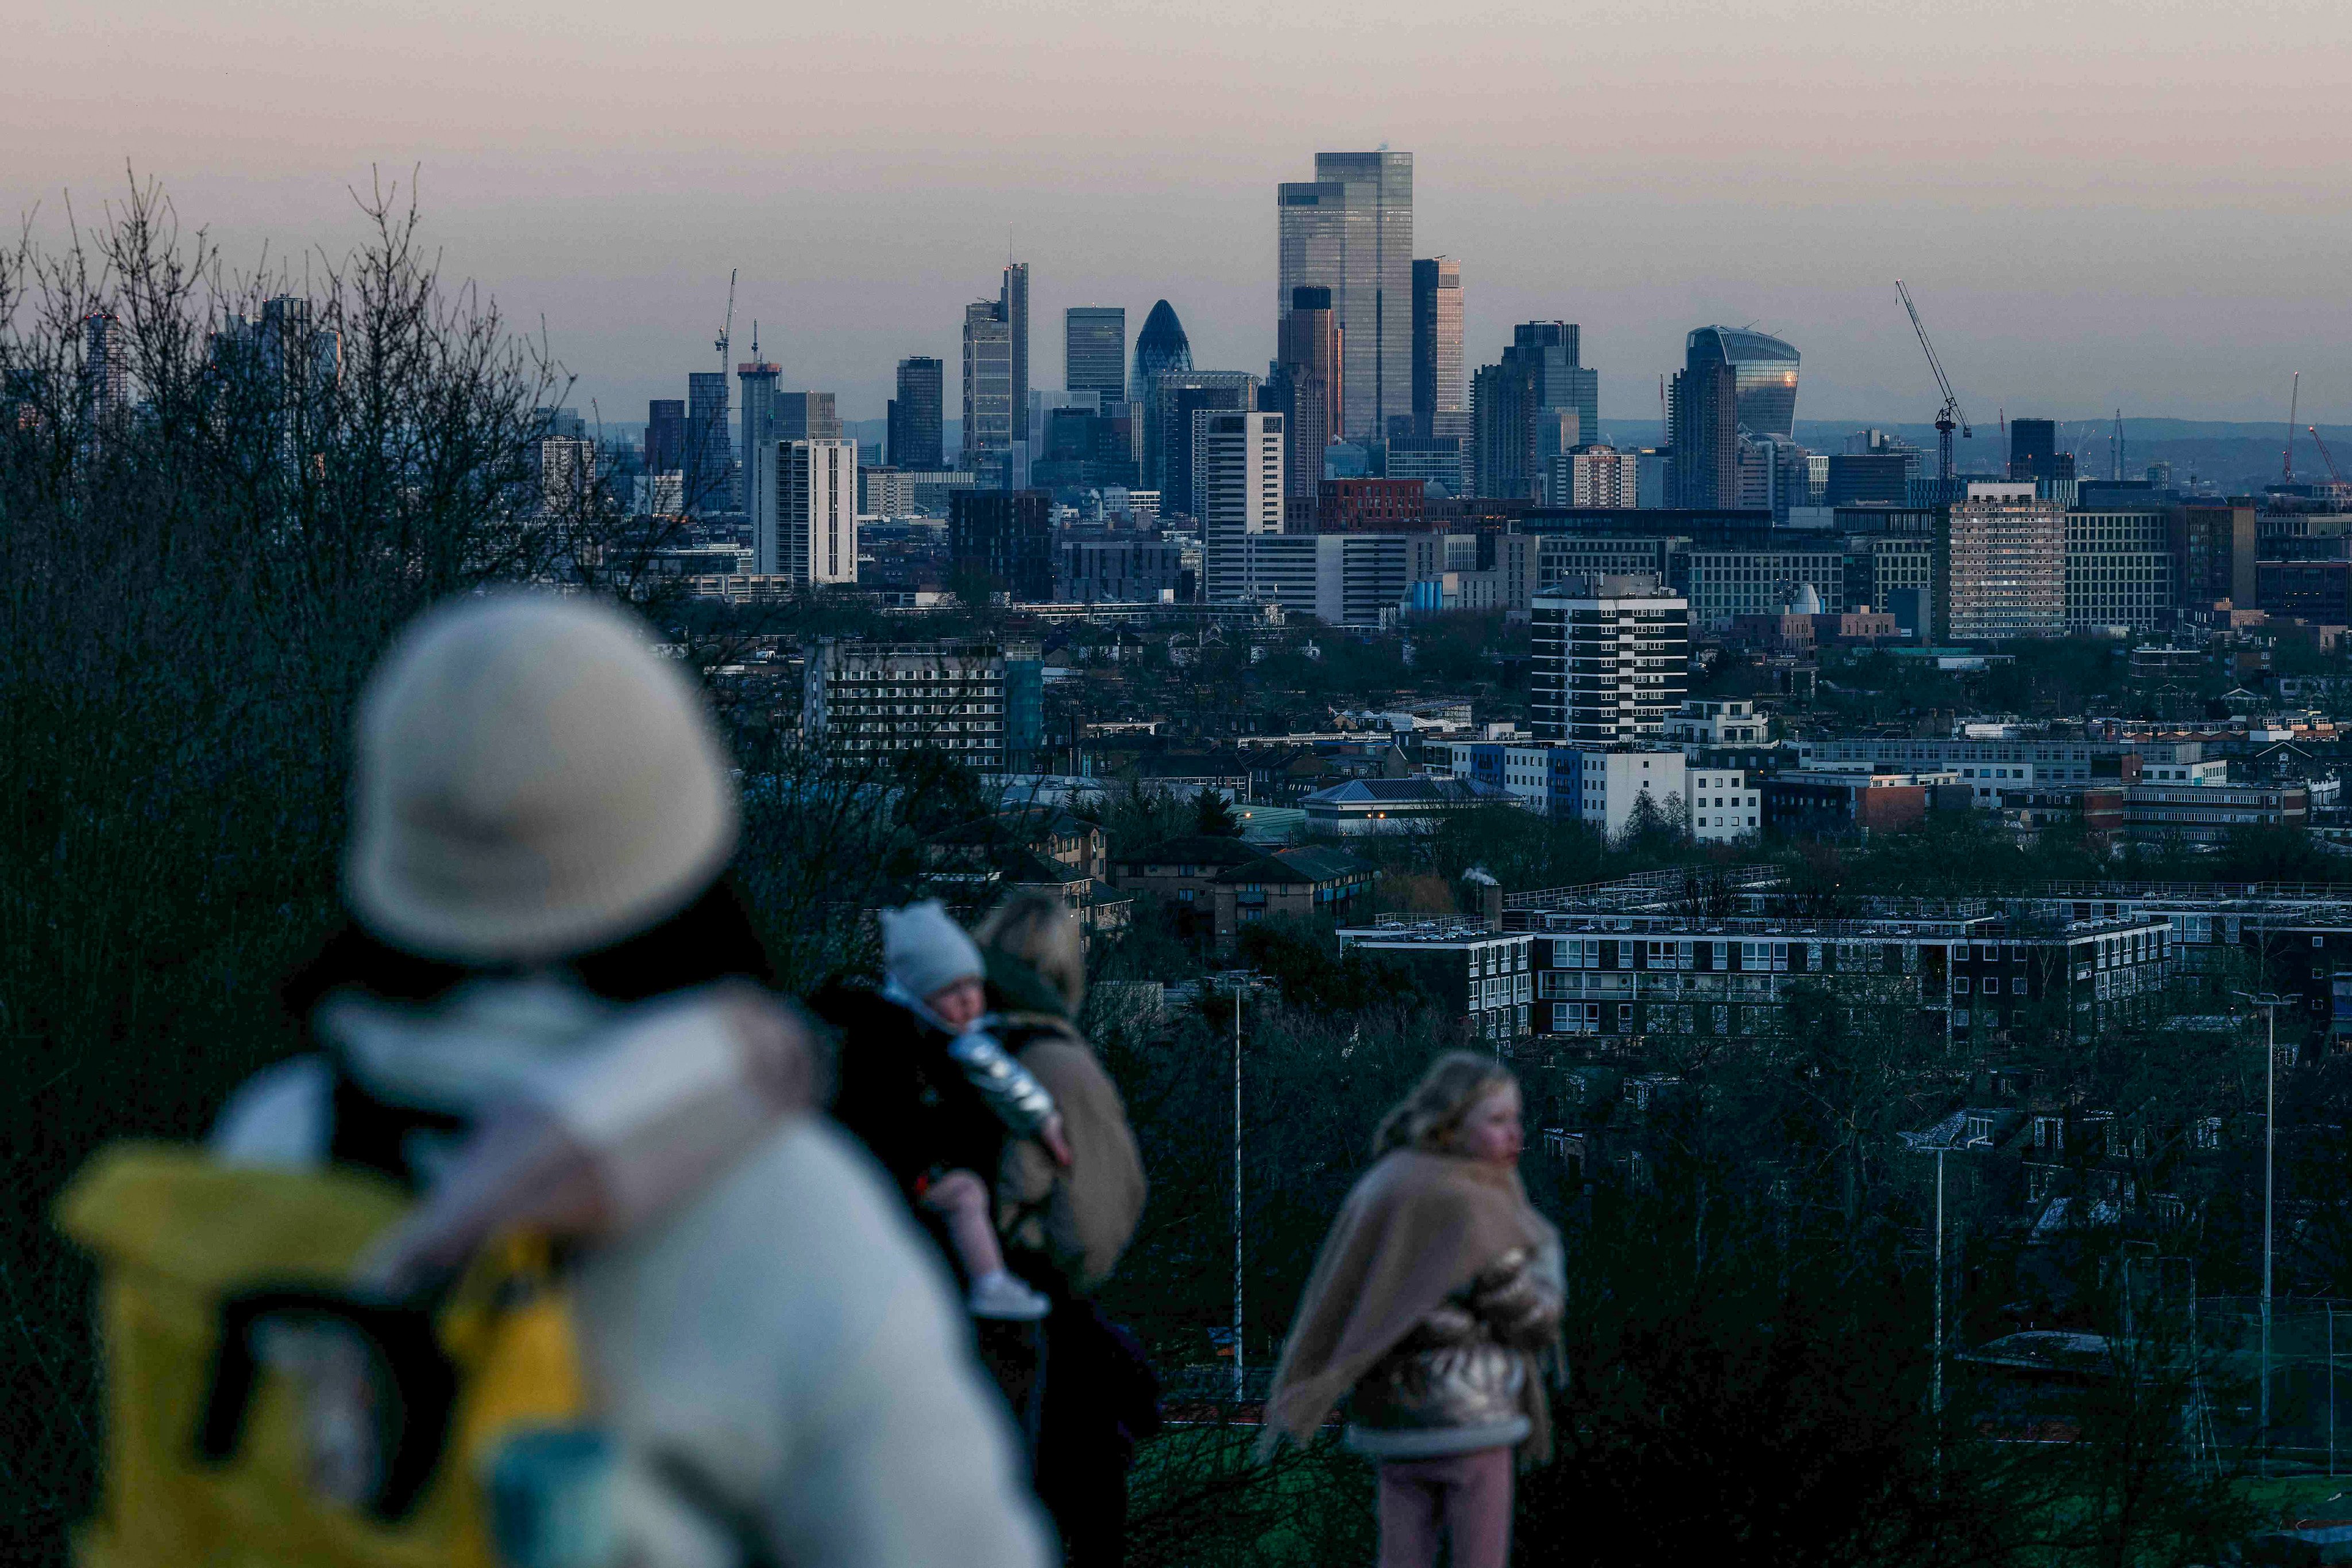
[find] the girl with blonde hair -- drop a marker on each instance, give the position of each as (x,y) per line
(1433,1307)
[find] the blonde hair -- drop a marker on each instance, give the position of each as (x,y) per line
(1036,928)
(1434,1112)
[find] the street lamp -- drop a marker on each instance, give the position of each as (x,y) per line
(2270,1002)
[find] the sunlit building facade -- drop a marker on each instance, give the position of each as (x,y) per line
(1763,372)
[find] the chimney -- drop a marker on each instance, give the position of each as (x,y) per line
(1488,893)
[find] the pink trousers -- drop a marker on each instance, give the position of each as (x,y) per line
(1466,1496)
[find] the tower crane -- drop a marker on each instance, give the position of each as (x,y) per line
(1951,415)
(2293,401)
(2324,455)
(727,332)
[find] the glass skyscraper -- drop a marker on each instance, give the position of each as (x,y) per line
(1763,373)
(987,383)
(1094,350)
(917,414)
(1440,394)
(1162,345)
(1349,230)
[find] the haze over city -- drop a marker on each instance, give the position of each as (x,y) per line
(2098,206)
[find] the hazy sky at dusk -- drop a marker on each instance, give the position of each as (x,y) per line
(2096,204)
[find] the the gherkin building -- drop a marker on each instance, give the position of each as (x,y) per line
(1162,345)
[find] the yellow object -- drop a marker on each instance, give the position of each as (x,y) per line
(180,1238)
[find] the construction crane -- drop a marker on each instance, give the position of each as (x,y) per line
(2293,401)
(727,332)
(1951,415)
(2324,455)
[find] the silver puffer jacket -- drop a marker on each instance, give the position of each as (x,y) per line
(1455,1384)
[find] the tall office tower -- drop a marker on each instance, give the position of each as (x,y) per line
(1610,659)
(805,510)
(105,366)
(987,383)
(1533,404)
(1440,395)
(1007,536)
(917,415)
(1012,310)
(807,416)
(1171,400)
(2033,453)
(665,435)
(710,451)
(1309,358)
(2001,566)
(761,420)
(1351,230)
(1763,376)
(1162,345)
(1094,350)
(1703,430)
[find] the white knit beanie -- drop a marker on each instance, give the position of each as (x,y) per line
(531,781)
(925,950)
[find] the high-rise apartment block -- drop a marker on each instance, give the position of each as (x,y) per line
(1007,537)
(1171,401)
(1012,310)
(917,415)
(1530,407)
(981,702)
(1610,659)
(1441,391)
(804,506)
(987,383)
(1093,351)
(1351,230)
(2001,566)
(1598,475)
(1241,470)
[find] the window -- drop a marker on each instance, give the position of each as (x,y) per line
(1959,985)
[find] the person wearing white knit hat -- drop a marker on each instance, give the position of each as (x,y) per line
(542,817)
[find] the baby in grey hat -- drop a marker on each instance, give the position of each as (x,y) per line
(935,971)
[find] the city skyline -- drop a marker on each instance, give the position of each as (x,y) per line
(2070,249)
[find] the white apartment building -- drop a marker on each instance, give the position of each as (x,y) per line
(805,510)
(1611,658)
(1239,467)
(1597,476)
(1341,579)
(1718,722)
(1609,784)
(1724,807)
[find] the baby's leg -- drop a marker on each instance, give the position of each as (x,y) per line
(962,1197)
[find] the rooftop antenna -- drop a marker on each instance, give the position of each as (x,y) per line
(755,337)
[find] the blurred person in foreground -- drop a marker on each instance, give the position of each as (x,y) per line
(1434,1311)
(548,1014)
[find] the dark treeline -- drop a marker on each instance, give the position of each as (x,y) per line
(201,564)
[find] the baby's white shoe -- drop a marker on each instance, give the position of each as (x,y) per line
(1003,1295)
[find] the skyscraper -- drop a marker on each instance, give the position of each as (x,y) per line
(759,419)
(1351,230)
(1012,310)
(1310,363)
(2034,452)
(804,506)
(987,383)
(1162,345)
(807,416)
(1176,396)
(1764,376)
(1094,350)
(665,435)
(1535,403)
(105,366)
(710,451)
(1440,394)
(1703,429)
(918,412)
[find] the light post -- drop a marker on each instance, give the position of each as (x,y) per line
(2269,1002)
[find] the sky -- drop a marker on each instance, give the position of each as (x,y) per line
(2097,205)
